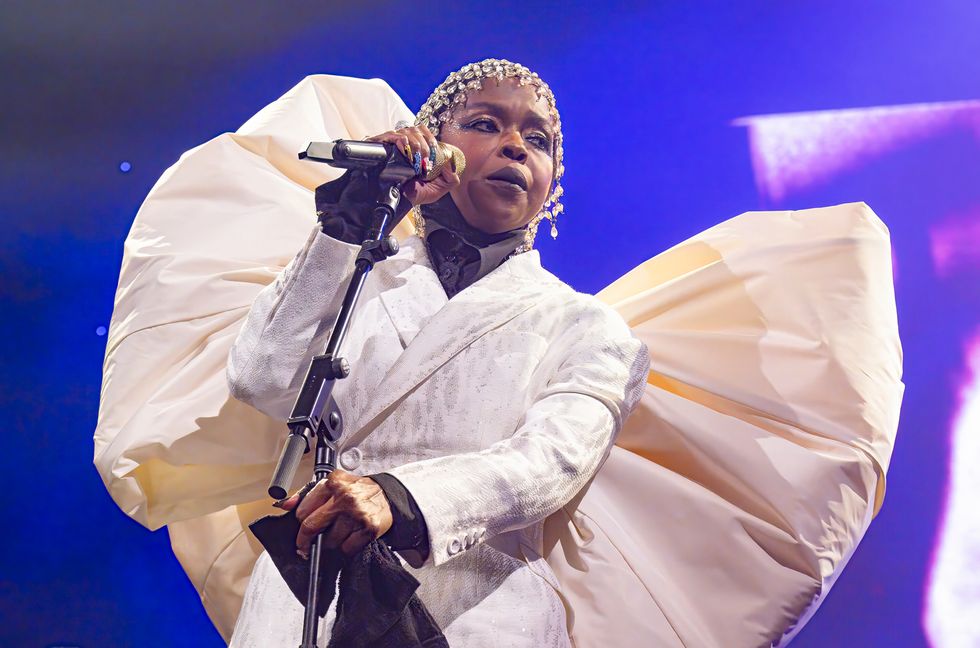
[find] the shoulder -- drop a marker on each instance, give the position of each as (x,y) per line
(579,314)
(591,348)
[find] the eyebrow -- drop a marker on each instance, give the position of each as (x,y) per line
(496,110)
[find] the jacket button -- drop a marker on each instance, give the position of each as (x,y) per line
(455,546)
(350,459)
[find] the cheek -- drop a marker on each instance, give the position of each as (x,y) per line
(542,180)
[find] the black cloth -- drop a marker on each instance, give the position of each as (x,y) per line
(376,606)
(460,253)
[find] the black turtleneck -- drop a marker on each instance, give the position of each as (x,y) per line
(460,255)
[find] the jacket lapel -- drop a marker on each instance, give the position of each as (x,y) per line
(500,296)
(411,293)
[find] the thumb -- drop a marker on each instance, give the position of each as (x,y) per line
(289,503)
(433,190)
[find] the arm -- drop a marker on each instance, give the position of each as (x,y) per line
(287,323)
(290,319)
(565,435)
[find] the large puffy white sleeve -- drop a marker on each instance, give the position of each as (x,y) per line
(171,444)
(746,476)
(215,231)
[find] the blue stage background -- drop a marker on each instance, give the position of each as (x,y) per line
(648,92)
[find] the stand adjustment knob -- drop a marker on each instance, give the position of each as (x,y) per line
(340,367)
(389,245)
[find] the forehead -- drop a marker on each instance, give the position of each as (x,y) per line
(511,99)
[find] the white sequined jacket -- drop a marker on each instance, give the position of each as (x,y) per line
(494,409)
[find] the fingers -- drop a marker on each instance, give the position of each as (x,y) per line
(351,510)
(449,176)
(313,500)
(420,192)
(401,141)
(289,503)
(422,141)
(339,531)
(411,140)
(312,525)
(430,142)
(355,542)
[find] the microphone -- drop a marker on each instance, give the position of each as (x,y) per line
(355,154)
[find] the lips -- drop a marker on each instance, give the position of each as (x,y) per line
(510,174)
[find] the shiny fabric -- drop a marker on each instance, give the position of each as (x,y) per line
(735,493)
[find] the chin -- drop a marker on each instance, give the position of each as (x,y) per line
(497,214)
(490,220)
(496,225)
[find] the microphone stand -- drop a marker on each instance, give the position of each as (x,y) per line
(315,413)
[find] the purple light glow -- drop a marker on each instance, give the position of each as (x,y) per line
(952,612)
(955,244)
(797,151)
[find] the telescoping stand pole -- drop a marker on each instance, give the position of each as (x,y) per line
(315,413)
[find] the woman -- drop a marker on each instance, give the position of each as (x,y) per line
(518,383)
(732,498)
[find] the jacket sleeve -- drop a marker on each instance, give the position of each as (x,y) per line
(565,435)
(288,323)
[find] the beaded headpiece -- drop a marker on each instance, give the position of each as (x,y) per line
(451,94)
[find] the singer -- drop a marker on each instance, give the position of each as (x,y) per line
(504,387)
(688,458)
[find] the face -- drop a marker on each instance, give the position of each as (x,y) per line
(507,135)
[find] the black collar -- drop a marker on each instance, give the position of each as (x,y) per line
(460,253)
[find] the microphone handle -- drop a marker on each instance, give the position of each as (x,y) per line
(354,154)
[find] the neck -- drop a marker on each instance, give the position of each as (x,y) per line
(445,212)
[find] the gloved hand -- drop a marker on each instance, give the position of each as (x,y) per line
(344,206)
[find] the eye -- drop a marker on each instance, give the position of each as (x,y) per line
(483,124)
(540,140)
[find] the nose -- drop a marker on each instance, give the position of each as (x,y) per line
(513,147)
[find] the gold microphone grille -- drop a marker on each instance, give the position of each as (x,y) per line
(445,153)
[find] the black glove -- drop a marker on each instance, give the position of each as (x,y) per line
(344,206)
